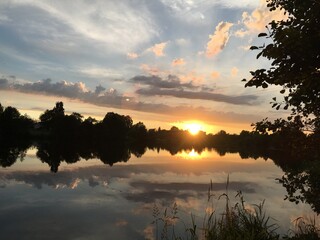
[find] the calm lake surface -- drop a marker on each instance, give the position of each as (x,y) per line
(91,200)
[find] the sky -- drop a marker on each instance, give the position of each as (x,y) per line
(163,62)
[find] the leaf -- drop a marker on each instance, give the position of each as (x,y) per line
(259,55)
(282,91)
(286,107)
(244,80)
(253,48)
(262,34)
(278,107)
(269,46)
(274,99)
(264,85)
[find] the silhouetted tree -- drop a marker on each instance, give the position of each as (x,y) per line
(13,125)
(138,132)
(61,125)
(88,129)
(295,55)
(51,119)
(69,126)
(115,126)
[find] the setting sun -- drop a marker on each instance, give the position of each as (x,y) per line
(193,128)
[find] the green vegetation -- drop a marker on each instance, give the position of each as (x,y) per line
(294,51)
(240,221)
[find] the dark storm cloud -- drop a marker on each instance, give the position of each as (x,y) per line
(156,81)
(237,100)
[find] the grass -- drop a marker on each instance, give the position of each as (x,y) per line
(236,222)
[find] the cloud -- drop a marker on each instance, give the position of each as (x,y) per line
(149,192)
(182,42)
(150,69)
(4,83)
(132,55)
(192,77)
(178,61)
(247,187)
(99,89)
(234,71)
(99,72)
(158,49)
(258,20)
(172,86)
(4,18)
(191,6)
(219,39)
(215,74)
(172,81)
(201,95)
(90,21)
(194,10)
(68,89)
(112,98)
(245,47)
(63,88)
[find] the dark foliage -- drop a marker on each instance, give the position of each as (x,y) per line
(67,138)
(294,52)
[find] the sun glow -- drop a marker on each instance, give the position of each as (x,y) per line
(193,128)
(191,154)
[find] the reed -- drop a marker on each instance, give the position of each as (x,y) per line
(235,222)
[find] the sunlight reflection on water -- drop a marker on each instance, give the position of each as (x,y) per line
(108,200)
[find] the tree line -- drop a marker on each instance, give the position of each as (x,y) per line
(56,125)
(60,137)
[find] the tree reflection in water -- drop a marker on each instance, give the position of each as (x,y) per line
(302,183)
(9,153)
(300,179)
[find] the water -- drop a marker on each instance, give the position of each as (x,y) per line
(92,200)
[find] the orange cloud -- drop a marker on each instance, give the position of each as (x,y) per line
(158,49)
(178,61)
(149,69)
(192,77)
(215,74)
(219,39)
(259,19)
(234,71)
